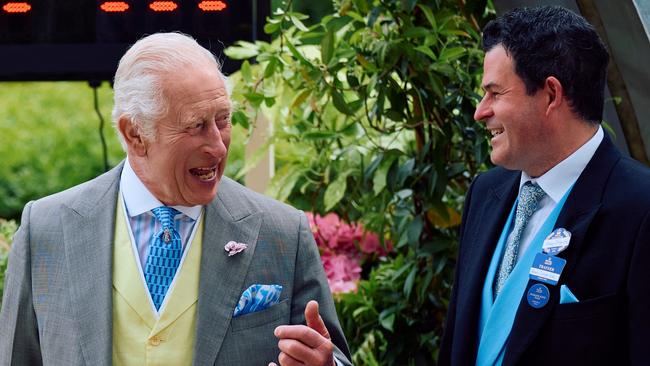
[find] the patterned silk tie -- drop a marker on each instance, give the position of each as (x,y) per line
(164,255)
(529,197)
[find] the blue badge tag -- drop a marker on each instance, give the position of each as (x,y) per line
(547,268)
(538,296)
(557,241)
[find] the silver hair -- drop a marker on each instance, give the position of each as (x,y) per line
(138,84)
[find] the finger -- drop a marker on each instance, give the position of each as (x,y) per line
(286,360)
(300,333)
(272,364)
(298,351)
(314,320)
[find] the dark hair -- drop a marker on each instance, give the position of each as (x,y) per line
(554,41)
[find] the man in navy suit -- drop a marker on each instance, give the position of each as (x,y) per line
(554,257)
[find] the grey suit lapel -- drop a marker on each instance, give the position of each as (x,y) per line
(88,230)
(222,277)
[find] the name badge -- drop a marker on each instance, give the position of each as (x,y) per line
(538,296)
(557,241)
(547,268)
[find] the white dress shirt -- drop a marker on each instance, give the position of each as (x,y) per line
(555,183)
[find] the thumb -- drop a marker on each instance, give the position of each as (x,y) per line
(314,320)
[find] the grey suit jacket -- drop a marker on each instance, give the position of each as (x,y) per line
(57,306)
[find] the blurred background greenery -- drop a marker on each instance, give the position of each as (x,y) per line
(50,140)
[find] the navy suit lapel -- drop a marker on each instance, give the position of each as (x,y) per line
(581,207)
(481,240)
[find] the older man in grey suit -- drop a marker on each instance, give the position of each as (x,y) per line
(148,263)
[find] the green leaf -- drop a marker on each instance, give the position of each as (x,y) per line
(429,15)
(449,54)
(284,181)
(414,231)
(379,180)
(387,319)
(410,280)
(416,32)
(240,118)
(296,22)
(270,28)
(242,50)
(270,67)
(335,191)
(426,50)
(340,103)
(327,47)
(245,71)
(408,5)
(256,99)
(298,55)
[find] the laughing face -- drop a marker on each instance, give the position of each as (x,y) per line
(183,165)
(514,119)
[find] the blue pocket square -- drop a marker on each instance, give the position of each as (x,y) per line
(566,296)
(257,298)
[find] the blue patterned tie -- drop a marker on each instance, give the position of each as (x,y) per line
(529,197)
(164,255)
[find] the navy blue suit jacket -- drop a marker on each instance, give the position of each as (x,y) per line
(608,269)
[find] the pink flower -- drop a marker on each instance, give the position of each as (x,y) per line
(233,248)
(370,244)
(342,272)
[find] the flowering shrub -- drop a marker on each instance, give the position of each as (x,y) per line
(344,248)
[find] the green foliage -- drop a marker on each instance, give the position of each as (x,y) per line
(7,229)
(374,106)
(49,140)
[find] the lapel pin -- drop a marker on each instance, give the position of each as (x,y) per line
(233,248)
(538,296)
(557,241)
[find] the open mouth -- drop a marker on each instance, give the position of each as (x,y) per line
(205,174)
(496,131)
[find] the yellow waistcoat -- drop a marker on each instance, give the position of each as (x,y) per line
(139,338)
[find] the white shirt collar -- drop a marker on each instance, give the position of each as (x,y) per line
(561,177)
(139,200)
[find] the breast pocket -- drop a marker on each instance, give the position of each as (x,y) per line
(260,318)
(607,305)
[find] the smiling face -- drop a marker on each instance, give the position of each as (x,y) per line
(515,119)
(184,164)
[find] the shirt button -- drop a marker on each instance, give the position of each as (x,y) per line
(155,341)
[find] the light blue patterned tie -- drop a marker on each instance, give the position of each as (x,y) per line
(529,197)
(164,255)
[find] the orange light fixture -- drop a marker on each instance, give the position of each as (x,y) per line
(212,5)
(114,6)
(14,7)
(159,6)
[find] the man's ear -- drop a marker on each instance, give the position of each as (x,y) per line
(134,141)
(555,94)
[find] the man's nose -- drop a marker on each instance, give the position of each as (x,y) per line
(215,145)
(483,110)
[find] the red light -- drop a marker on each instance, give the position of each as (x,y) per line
(17,7)
(163,6)
(212,5)
(114,6)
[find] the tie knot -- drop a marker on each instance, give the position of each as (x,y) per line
(530,195)
(165,215)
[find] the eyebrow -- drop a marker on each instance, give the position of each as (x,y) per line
(490,85)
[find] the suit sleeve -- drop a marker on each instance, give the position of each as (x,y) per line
(444,355)
(638,296)
(19,342)
(310,283)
